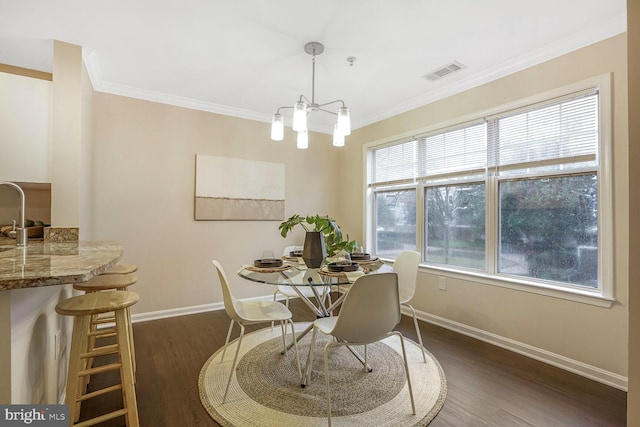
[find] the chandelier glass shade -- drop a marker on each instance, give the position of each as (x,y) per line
(277,127)
(302,141)
(305,106)
(299,117)
(338,137)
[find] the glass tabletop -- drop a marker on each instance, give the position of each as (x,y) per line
(296,274)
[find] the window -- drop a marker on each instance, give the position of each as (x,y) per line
(520,195)
(395,222)
(456,225)
(548,228)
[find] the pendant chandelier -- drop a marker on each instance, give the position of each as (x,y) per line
(305,106)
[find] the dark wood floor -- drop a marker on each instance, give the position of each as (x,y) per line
(487,385)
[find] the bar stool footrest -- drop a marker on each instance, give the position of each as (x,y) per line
(103,333)
(100,369)
(101,351)
(102,418)
(105,319)
(99,392)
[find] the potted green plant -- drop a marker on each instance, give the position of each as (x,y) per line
(323,237)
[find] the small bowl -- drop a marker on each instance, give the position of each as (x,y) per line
(359,256)
(339,268)
(267,263)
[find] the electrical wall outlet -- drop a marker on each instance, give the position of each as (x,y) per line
(442,283)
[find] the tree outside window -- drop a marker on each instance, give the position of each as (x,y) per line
(549,228)
(455,232)
(395,222)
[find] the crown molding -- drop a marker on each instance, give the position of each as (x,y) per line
(25,72)
(592,35)
(90,59)
(101,85)
(597,33)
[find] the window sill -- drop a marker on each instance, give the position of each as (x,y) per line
(583,296)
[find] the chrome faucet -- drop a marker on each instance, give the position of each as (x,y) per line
(21,231)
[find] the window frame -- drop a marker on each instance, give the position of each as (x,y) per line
(392,189)
(603,295)
(469,180)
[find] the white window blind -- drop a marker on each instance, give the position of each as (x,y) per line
(456,150)
(559,131)
(564,130)
(394,164)
(438,153)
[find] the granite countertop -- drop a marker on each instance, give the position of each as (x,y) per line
(55,263)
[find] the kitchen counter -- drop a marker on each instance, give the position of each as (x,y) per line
(48,263)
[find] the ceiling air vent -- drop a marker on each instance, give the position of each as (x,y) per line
(444,71)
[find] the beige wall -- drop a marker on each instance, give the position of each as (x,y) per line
(143,196)
(86,157)
(633,41)
(24,128)
(585,333)
(66,127)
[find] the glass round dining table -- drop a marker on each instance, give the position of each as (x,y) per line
(294,273)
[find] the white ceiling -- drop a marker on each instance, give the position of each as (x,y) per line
(246,57)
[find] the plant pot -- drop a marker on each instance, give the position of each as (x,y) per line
(314,250)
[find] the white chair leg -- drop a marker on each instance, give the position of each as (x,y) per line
(326,296)
(295,348)
(274,300)
(406,370)
(326,382)
(415,322)
(233,365)
(226,343)
(365,359)
(283,331)
(310,356)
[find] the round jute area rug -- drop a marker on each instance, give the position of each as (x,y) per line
(265,391)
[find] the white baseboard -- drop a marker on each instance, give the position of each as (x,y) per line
(184,311)
(173,312)
(597,374)
(605,377)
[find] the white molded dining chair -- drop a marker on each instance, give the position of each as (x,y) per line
(288,291)
(406,265)
(369,313)
(250,313)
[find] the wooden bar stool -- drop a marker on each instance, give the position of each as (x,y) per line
(107,282)
(121,269)
(83,307)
